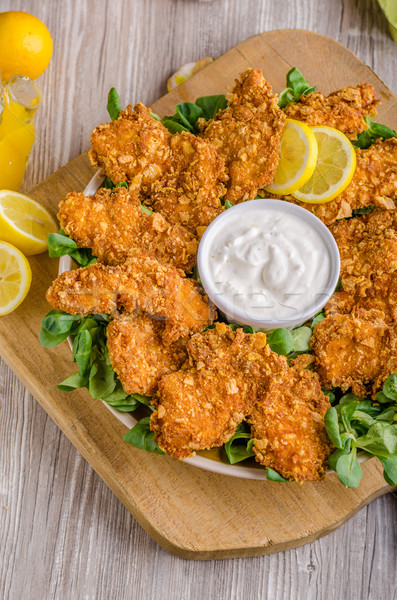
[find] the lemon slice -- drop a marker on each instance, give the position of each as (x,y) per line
(334,170)
(15,278)
(186,71)
(24,222)
(298,157)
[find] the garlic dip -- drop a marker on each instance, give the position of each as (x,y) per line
(268,261)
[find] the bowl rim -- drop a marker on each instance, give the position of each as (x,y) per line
(241,471)
(239,316)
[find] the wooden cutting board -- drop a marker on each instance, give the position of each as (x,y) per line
(190,512)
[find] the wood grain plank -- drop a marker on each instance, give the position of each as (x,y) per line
(213,525)
(101,552)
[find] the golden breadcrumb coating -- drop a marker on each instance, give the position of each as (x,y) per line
(180,175)
(112,223)
(374,183)
(344,110)
(138,354)
(141,283)
(133,148)
(232,375)
(356,351)
(368,252)
(201,405)
(247,135)
(287,424)
(191,190)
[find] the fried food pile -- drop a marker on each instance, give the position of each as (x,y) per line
(355,345)
(206,378)
(344,110)
(231,376)
(374,183)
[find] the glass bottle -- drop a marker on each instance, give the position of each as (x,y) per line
(20,97)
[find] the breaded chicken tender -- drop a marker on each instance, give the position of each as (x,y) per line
(344,110)
(374,183)
(181,176)
(190,192)
(139,356)
(287,424)
(140,284)
(356,351)
(134,148)
(368,252)
(247,135)
(201,405)
(112,223)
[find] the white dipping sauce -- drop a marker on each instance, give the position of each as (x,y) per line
(269,264)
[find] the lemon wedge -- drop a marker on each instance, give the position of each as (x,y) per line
(24,222)
(15,278)
(298,157)
(334,170)
(186,71)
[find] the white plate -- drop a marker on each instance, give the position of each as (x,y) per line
(203,462)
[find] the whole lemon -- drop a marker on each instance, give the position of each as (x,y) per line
(25,45)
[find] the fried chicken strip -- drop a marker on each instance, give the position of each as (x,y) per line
(141,283)
(138,354)
(112,224)
(179,175)
(201,405)
(247,135)
(287,424)
(368,251)
(356,351)
(133,148)
(190,192)
(344,110)
(232,375)
(374,183)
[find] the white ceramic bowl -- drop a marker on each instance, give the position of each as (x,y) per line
(227,219)
(209,460)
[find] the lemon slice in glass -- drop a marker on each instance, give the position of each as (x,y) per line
(298,157)
(24,222)
(15,278)
(334,170)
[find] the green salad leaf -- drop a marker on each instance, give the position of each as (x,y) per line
(60,244)
(349,470)
(188,113)
(92,357)
(239,447)
(297,86)
(140,436)
(211,105)
(317,318)
(301,339)
(375,132)
(281,341)
(390,387)
(114,104)
(358,212)
(360,424)
(273,475)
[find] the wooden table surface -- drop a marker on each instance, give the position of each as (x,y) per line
(63,534)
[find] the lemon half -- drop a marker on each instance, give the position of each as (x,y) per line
(334,170)
(298,157)
(15,278)
(24,222)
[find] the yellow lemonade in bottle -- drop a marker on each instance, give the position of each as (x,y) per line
(19,101)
